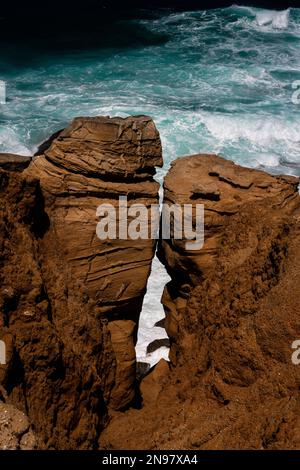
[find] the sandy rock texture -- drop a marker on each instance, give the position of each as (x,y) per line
(70,302)
(15,430)
(232,314)
(11,162)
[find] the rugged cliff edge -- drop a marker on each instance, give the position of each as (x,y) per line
(232,314)
(70,302)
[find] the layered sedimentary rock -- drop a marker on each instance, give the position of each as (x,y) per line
(70,302)
(232,314)
(11,162)
(247,215)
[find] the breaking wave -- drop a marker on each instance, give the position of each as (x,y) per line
(277,19)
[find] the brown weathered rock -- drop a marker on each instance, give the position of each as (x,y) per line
(71,302)
(156,344)
(232,313)
(94,161)
(15,431)
(128,149)
(61,373)
(231,194)
(11,162)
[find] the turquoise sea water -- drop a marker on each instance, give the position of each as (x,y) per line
(214,81)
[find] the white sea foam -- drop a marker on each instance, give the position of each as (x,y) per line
(156,356)
(152,312)
(10,142)
(266,130)
(277,19)
(262,20)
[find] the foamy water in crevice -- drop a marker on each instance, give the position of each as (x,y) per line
(214,81)
(152,313)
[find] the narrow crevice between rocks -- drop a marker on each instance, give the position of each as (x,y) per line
(153,341)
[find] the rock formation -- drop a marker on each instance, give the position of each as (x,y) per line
(15,431)
(70,302)
(13,163)
(230,194)
(232,314)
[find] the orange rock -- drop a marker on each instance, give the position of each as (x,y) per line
(76,299)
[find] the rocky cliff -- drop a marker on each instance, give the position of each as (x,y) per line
(70,302)
(15,429)
(232,314)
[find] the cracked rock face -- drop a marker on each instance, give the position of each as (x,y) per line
(93,162)
(232,314)
(70,301)
(231,195)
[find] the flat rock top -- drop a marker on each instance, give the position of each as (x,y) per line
(123,147)
(106,129)
(12,162)
(215,180)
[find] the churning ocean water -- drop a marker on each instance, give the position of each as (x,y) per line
(223,81)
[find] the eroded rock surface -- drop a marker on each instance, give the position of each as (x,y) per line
(93,162)
(15,430)
(70,302)
(11,162)
(247,218)
(232,314)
